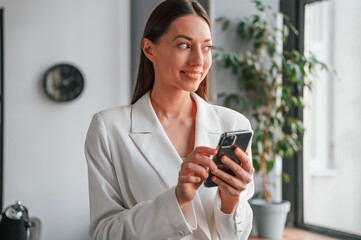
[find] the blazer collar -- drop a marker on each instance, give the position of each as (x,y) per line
(145,120)
(143,116)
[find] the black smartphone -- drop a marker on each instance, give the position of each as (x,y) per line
(226,146)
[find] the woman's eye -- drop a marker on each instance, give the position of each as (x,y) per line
(208,48)
(183,45)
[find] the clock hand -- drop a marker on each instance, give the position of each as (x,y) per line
(67,81)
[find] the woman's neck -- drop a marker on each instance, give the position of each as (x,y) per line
(172,104)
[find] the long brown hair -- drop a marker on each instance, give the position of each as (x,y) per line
(158,23)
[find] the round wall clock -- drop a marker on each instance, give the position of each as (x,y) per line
(63,82)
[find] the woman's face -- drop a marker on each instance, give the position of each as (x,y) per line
(182,56)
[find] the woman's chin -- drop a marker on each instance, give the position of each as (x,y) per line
(192,87)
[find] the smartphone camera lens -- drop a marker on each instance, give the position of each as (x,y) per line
(228,141)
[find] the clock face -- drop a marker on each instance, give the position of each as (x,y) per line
(63,82)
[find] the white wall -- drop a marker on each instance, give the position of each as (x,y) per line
(44,164)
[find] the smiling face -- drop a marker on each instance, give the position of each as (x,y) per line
(182,56)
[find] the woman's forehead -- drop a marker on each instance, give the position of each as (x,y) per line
(192,26)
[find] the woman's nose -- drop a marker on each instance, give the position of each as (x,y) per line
(196,57)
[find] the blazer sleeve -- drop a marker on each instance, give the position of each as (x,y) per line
(238,224)
(110,218)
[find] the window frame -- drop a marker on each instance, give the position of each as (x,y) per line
(293,191)
(1,105)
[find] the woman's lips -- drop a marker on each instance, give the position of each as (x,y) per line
(193,75)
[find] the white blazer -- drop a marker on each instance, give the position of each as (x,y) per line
(133,170)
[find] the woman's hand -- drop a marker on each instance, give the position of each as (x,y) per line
(194,170)
(230,187)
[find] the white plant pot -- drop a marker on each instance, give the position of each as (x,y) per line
(270,218)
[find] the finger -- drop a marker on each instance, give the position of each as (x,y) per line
(189,179)
(245,160)
(241,174)
(207,151)
(204,161)
(224,187)
(230,180)
(193,169)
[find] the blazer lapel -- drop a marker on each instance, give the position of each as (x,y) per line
(151,139)
(208,128)
(208,131)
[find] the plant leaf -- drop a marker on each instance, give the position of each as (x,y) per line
(225,25)
(259,5)
(286,177)
(241,29)
(269,165)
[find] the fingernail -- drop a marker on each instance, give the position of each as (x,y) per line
(247,153)
(223,159)
(214,179)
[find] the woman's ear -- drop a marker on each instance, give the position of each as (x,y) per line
(148,49)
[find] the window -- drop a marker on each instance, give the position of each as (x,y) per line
(331,158)
(325,176)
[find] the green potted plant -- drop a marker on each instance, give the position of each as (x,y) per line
(269,78)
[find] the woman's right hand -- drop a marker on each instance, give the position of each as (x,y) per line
(194,170)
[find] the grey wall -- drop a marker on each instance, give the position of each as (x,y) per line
(44,163)
(140,12)
(235,10)
(223,81)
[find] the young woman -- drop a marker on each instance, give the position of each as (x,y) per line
(147,162)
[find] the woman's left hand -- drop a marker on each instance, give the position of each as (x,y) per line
(230,187)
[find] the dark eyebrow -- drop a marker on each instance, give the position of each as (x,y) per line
(188,38)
